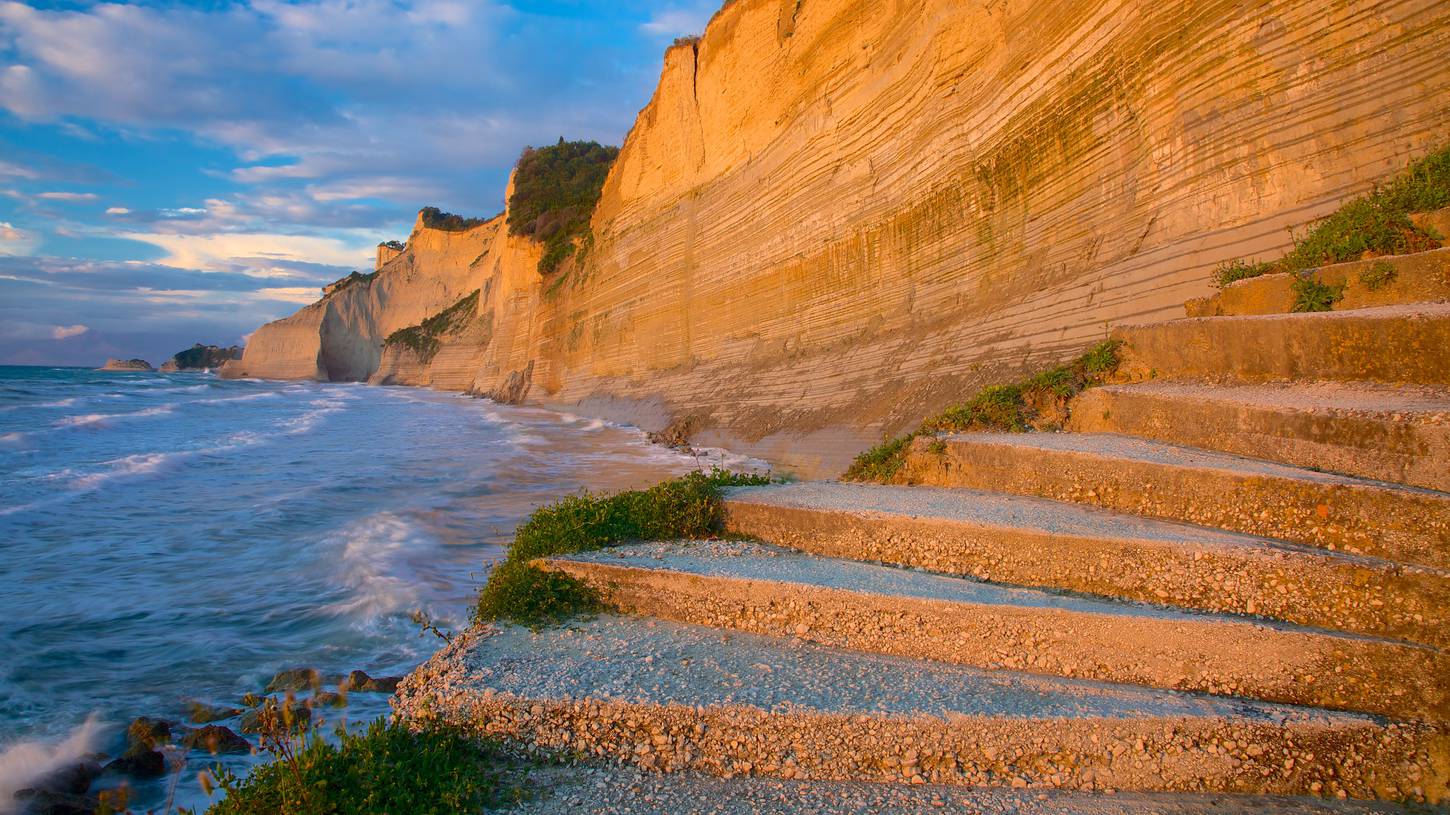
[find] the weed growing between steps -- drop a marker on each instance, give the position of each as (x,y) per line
(383,769)
(1377,224)
(1311,295)
(1036,403)
(423,339)
(517,591)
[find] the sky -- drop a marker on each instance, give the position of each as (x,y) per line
(181,172)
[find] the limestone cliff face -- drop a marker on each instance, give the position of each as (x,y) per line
(340,338)
(835,216)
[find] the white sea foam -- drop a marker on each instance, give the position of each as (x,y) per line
(250,397)
(139,464)
(26,762)
(92,419)
(12,438)
(374,566)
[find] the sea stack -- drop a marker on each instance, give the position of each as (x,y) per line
(201,358)
(114,364)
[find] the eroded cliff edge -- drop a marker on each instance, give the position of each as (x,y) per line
(835,217)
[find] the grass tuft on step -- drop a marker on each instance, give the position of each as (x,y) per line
(386,768)
(1015,407)
(517,591)
(1374,224)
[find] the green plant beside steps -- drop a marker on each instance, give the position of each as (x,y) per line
(517,591)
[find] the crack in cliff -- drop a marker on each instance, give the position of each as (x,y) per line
(695,77)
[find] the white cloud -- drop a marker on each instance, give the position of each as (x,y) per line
(304,296)
(15,241)
(675,22)
(11,170)
(117,211)
(62,332)
(67,196)
(226,252)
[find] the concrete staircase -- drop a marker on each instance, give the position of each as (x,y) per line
(1231,576)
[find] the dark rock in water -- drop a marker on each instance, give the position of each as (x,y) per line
(328,699)
(140,764)
(203,713)
(216,739)
(72,779)
(201,357)
(360,681)
(49,802)
(296,679)
(145,733)
(255,720)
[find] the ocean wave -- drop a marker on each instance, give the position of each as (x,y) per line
(321,409)
(374,567)
(138,464)
(23,763)
(12,438)
(250,397)
(92,419)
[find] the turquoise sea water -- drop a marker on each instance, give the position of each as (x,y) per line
(166,537)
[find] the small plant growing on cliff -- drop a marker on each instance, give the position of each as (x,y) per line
(423,339)
(555,191)
(1014,407)
(518,591)
(1312,295)
(1379,274)
(1374,224)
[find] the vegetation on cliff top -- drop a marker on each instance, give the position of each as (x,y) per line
(518,591)
(435,218)
(1036,403)
(352,279)
(383,769)
(397,245)
(423,339)
(555,191)
(1376,224)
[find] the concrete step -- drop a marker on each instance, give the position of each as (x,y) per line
(1419,278)
(672,697)
(764,589)
(610,788)
(1158,480)
(1034,542)
(1393,344)
(1397,434)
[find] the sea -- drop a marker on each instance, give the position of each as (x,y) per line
(166,538)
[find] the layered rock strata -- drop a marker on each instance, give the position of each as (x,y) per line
(836,216)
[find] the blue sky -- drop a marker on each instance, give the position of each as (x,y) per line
(176,172)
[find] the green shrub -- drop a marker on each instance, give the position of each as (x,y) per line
(687,507)
(1312,295)
(354,279)
(1013,407)
(435,218)
(555,191)
(1377,223)
(398,245)
(384,769)
(423,339)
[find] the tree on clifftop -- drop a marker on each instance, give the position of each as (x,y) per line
(555,191)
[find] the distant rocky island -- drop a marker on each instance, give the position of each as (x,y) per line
(201,358)
(114,364)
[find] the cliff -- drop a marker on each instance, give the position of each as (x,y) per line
(835,216)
